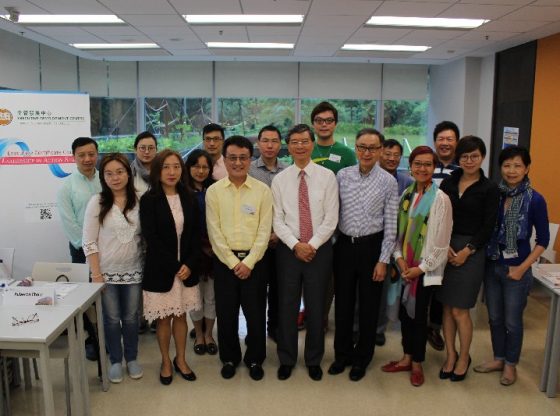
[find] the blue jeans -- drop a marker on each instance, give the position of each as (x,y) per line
(506,299)
(120,318)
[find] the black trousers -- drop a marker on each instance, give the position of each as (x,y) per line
(293,275)
(436,313)
(249,294)
(269,265)
(415,331)
(353,269)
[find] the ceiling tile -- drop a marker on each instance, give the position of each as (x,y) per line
(63,6)
(189,52)
(138,7)
(414,9)
(430,35)
(498,2)
(371,35)
(545,14)
(221,33)
(275,6)
(344,8)
(510,26)
(207,6)
(492,36)
(478,11)
(112,30)
(153,19)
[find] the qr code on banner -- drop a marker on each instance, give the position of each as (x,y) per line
(45,214)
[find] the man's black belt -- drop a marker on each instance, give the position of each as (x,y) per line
(362,239)
(240,254)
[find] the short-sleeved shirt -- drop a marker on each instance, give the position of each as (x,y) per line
(334,157)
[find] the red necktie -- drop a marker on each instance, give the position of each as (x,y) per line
(305,224)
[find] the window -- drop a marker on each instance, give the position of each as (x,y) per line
(113,123)
(353,115)
(177,122)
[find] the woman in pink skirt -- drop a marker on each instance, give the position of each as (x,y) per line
(170,226)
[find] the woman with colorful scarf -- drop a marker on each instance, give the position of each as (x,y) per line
(424,230)
(508,277)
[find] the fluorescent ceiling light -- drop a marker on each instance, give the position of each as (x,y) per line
(425,22)
(390,48)
(250,45)
(243,18)
(115,45)
(66,18)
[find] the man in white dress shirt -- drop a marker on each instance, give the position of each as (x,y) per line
(305,217)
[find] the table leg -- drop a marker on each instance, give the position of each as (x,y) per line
(78,405)
(26,373)
(554,357)
(548,344)
(82,361)
(101,338)
(48,399)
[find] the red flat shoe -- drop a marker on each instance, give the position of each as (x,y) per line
(394,367)
(417,378)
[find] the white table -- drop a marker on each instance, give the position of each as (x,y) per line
(38,336)
(549,375)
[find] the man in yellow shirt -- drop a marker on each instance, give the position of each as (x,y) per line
(239,221)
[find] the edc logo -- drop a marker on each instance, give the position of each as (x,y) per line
(6,117)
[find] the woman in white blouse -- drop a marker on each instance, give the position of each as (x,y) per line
(424,229)
(112,245)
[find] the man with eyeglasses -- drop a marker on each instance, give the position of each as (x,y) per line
(305,217)
(145,146)
(390,159)
(368,229)
(213,140)
(239,220)
(265,168)
(446,137)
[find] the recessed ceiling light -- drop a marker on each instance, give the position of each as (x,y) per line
(250,45)
(67,18)
(390,48)
(425,22)
(115,45)
(243,18)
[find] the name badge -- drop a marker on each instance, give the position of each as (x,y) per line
(248,209)
(513,255)
(334,158)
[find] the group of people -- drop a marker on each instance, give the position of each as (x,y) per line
(221,231)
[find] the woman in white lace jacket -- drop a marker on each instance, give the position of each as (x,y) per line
(112,245)
(424,230)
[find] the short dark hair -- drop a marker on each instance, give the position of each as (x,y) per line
(446,125)
(82,141)
(239,141)
(321,108)
(144,135)
(213,127)
(422,150)
(389,143)
(369,130)
(469,144)
(270,127)
(300,128)
(192,160)
(512,151)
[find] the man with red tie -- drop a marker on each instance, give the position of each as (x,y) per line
(305,216)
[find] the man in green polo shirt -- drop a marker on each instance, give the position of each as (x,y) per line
(327,152)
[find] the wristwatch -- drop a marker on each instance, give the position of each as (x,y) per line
(471,248)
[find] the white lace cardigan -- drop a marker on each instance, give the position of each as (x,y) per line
(117,241)
(436,246)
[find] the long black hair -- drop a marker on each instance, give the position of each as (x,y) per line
(157,167)
(192,160)
(107,198)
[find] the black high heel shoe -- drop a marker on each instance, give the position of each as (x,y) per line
(166,381)
(444,375)
(460,377)
(187,376)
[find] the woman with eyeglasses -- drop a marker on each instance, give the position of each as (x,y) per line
(171,228)
(199,177)
(475,205)
(508,277)
(424,230)
(112,245)
(145,146)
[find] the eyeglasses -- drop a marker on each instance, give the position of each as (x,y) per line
(472,158)
(320,120)
(30,319)
(215,139)
(198,167)
(111,175)
(371,149)
(299,142)
(146,148)
(418,165)
(234,159)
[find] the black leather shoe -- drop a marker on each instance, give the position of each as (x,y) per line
(435,339)
(380,340)
(211,348)
(357,373)
(166,381)
(315,372)
(256,371)
(284,372)
(336,368)
(91,351)
(228,370)
(460,377)
(444,375)
(192,334)
(187,376)
(199,349)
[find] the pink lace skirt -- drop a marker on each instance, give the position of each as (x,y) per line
(178,301)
